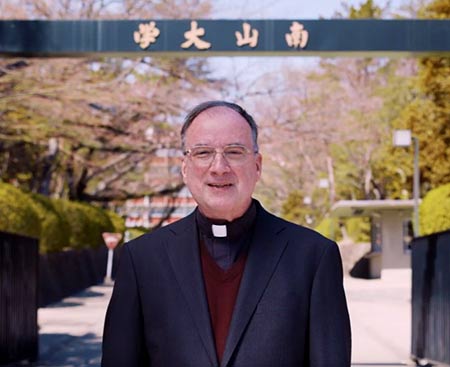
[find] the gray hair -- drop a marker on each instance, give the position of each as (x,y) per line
(197,110)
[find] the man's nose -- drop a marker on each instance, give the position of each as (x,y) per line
(219,165)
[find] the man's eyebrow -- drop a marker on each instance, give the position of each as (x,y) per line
(201,145)
(226,145)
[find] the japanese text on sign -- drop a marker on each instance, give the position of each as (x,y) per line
(247,38)
(148,33)
(193,37)
(298,38)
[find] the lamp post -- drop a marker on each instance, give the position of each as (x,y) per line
(403,138)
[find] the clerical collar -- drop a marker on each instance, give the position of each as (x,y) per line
(233,230)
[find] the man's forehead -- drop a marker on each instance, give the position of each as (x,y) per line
(218,111)
(221,125)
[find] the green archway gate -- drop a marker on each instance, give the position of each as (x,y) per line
(225,38)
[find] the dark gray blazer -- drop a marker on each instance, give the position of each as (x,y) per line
(290,311)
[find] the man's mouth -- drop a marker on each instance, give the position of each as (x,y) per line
(220,186)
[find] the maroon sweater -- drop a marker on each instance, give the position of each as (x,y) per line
(222,287)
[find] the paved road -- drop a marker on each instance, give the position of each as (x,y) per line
(70,331)
(380,311)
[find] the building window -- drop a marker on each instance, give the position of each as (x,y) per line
(407,235)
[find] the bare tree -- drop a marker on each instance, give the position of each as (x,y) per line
(94,129)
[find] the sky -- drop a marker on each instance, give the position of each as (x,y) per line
(284,9)
(281,9)
(275,9)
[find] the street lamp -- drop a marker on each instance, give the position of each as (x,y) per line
(403,138)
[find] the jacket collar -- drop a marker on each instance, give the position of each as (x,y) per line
(183,252)
(264,253)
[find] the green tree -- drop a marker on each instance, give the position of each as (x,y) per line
(294,209)
(368,9)
(305,210)
(392,167)
(428,113)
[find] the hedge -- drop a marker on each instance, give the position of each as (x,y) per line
(55,229)
(17,212)
(117,221)
(434,211)
(87,223)
(58,224)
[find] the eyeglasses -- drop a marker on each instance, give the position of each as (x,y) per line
(203,156)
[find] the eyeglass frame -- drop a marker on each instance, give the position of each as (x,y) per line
(220,151)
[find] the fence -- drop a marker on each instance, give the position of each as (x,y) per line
(431,297)
(29,280)
(19,258)
(64,273)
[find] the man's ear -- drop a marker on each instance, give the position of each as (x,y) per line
(183,169)
(259,164)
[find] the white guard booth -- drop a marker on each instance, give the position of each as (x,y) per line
(391,227)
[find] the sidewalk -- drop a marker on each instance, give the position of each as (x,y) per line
(380,312)
(70,332)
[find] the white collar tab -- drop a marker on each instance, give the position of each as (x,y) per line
(219,230)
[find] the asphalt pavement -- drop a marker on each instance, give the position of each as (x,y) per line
(380,312)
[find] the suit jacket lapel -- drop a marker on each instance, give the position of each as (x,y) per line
(264,253)
(184,257)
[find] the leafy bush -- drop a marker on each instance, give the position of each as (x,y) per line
(435,211)
(329,227)
(87,223)
(117,221)
(55,229)
(358,228)
(57,223)
(17,212)
(136,232)
(295,210)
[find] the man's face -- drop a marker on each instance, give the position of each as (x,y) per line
(221,190)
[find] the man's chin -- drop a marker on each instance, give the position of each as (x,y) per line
(219,209)
(222,210)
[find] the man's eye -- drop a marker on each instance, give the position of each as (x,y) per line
(234,152)
(202,153)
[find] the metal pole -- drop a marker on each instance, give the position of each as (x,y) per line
(416,187)
(108,278)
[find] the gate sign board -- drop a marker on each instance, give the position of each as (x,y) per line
(190,37)
(111,240)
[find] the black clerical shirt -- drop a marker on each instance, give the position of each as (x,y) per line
(226,244)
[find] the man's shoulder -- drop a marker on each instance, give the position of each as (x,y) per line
(297,232)
(293,227)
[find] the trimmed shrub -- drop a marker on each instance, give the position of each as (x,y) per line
(55,229)
(87,223)
(358,228)
(136,232)
(100,220)
(435,211)
(117,221)
(17,212)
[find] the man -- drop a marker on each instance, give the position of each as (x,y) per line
(230,284)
